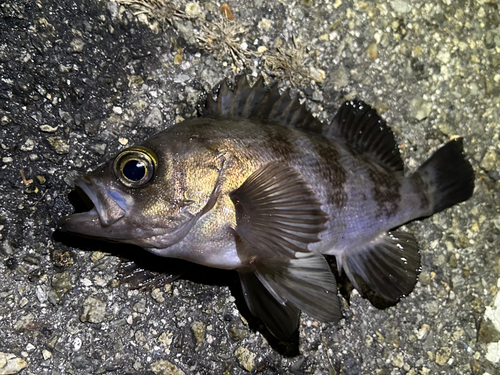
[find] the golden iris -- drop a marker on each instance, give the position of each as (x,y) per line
(135,166)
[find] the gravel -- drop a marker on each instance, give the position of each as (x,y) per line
(81,80)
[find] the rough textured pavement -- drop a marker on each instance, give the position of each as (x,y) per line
(81,80)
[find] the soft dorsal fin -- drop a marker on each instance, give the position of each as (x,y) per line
(360,127)
(260,103)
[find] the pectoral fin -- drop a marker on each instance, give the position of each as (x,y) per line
(389,265)
(277,217)
(282,319)
(277,213)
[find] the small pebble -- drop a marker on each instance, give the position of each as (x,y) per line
(442,356)
(60,145)
(94,310)
(318,75)
(193,9)
(10,364)
(245,358)
(163,367)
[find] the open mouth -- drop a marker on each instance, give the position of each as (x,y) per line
(82,199)
(100,206)
(87,196)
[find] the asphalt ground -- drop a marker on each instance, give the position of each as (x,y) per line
(82,80)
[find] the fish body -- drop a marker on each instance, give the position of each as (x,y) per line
(356,207)
(260,186)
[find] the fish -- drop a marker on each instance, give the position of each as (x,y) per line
(258,185)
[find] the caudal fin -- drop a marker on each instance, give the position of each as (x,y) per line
(449,176)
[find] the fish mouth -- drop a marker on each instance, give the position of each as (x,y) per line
(104,208)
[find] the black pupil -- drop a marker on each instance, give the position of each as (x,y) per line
(134,170)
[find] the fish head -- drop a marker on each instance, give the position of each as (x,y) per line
(144,197)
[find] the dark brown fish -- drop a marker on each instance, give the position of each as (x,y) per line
(259,185)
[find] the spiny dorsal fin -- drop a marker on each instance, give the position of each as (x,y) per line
(260,103)
(359,126)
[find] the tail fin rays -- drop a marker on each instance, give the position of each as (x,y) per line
(449,175)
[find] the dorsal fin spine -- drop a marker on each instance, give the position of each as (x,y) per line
(260,103)
(295,115)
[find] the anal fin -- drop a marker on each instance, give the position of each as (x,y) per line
(389,265)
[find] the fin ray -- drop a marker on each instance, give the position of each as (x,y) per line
(306,282)
(282,319)
(389,265)
(359,126)
(448,175)
(263,215)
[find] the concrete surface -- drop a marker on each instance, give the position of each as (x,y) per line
(81,80)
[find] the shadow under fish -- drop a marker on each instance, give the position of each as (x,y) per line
(258,185)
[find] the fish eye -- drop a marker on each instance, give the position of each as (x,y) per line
(135,166)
